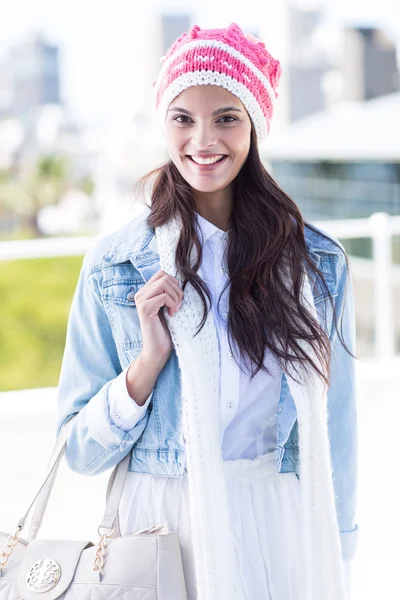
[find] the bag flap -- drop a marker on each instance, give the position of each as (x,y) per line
(48,568)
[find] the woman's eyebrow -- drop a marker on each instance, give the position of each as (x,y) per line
(215,113)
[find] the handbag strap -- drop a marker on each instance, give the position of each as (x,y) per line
(117,480)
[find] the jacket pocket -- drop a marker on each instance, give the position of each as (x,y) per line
(118,298)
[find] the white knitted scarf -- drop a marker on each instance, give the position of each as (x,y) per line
(214,560)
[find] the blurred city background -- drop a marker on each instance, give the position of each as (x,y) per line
(77,130)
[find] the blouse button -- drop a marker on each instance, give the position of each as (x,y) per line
(131,296)
(230,354)
(230,404)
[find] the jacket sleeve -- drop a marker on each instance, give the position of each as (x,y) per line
(90,366)
(342,413)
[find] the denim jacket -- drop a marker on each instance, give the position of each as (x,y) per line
(104,337)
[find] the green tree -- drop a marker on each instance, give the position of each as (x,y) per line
(36,184)
(44,183)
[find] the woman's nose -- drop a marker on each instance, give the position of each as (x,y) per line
(203,136)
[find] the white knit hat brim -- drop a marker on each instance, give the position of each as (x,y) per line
(207,77)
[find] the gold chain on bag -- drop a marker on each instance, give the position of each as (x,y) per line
(101,550)
(9,547)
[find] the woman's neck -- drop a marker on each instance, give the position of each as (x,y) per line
(216,207)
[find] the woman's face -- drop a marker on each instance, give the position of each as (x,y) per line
(207,122)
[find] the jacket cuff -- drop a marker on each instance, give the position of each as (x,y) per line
(349,541)
(123,410)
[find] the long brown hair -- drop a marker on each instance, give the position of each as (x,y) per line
(266,243)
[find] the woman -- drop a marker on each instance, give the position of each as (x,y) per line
(213,338)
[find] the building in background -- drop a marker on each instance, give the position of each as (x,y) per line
(171,27)
(157,32)
(35,122)
(307,65)
(322,64)
(369,64)
(328,165)
(33,74)
(290,30)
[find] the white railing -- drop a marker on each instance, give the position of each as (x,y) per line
(45,247)
(380,227)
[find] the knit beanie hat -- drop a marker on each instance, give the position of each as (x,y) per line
(227,57)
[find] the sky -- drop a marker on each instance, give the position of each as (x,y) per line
(98,39)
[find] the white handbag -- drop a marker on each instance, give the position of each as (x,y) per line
(146,565)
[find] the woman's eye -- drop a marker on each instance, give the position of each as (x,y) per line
(180,117)
(228,117)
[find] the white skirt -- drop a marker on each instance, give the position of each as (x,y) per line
(264,510)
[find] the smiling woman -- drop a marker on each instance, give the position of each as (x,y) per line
(214,351)
(210,142)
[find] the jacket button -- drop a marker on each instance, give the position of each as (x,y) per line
(131,296)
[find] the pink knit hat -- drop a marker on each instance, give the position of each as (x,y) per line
(238,62)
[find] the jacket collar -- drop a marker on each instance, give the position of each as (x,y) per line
(135,242)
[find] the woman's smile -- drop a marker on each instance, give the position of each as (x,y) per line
(207,164)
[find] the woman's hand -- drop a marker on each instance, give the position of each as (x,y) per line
(161,290)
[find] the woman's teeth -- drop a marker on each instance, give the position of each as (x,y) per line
(207,161)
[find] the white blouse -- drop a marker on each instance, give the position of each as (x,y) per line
(248,409)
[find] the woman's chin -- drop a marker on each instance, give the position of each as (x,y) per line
(205,185)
